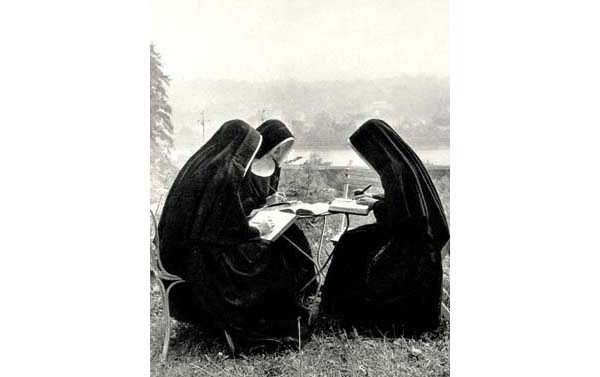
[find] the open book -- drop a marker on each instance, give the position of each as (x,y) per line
(281,221)
(348,206)
(304,209)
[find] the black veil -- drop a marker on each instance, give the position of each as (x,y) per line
(274,133)
(410,195)
(207,187)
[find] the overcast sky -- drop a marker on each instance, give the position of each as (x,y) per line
(260,40)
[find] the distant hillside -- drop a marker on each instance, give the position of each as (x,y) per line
(319,112)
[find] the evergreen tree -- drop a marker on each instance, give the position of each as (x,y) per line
(161,130)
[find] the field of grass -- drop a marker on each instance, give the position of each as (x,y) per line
(330,350)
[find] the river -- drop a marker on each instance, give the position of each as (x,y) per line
(339,156)
(346,156)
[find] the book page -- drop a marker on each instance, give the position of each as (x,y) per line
(280,220)
(348,206)
(304,209)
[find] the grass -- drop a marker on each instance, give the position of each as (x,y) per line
(330,351)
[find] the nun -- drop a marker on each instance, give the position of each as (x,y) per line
(261,188)
(389,274)
(233,279)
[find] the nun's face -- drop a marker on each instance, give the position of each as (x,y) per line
(280,152)
(277,155)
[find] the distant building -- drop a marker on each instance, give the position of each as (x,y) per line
(298,125)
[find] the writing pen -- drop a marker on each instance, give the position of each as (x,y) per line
(360,192)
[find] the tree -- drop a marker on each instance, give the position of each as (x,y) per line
(161,129)
(306,182)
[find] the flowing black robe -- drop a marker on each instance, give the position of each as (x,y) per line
(233,279)
(390,273)
(254,192)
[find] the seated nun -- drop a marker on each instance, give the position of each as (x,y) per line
(234,280)
(260,189)
(389,274)
(262,186)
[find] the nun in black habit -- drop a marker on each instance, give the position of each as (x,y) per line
(261,189)
(389,274)
(234,280)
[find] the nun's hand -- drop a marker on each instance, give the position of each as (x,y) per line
(264,227)
(276,198)
(366,200)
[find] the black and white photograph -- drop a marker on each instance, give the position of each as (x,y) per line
(300,188)
(295,185)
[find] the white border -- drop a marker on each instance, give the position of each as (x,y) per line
(524,188)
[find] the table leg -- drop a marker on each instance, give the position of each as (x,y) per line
(321,239)
(319,271)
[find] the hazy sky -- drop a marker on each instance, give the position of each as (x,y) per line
(304,40)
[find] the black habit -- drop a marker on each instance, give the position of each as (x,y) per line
(254,193)
(234,281)
(389,274)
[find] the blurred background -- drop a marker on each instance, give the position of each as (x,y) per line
(323,68)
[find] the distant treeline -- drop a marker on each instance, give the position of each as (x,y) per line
(319,111)
(325,131)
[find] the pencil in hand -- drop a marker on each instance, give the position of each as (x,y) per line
(360,192)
